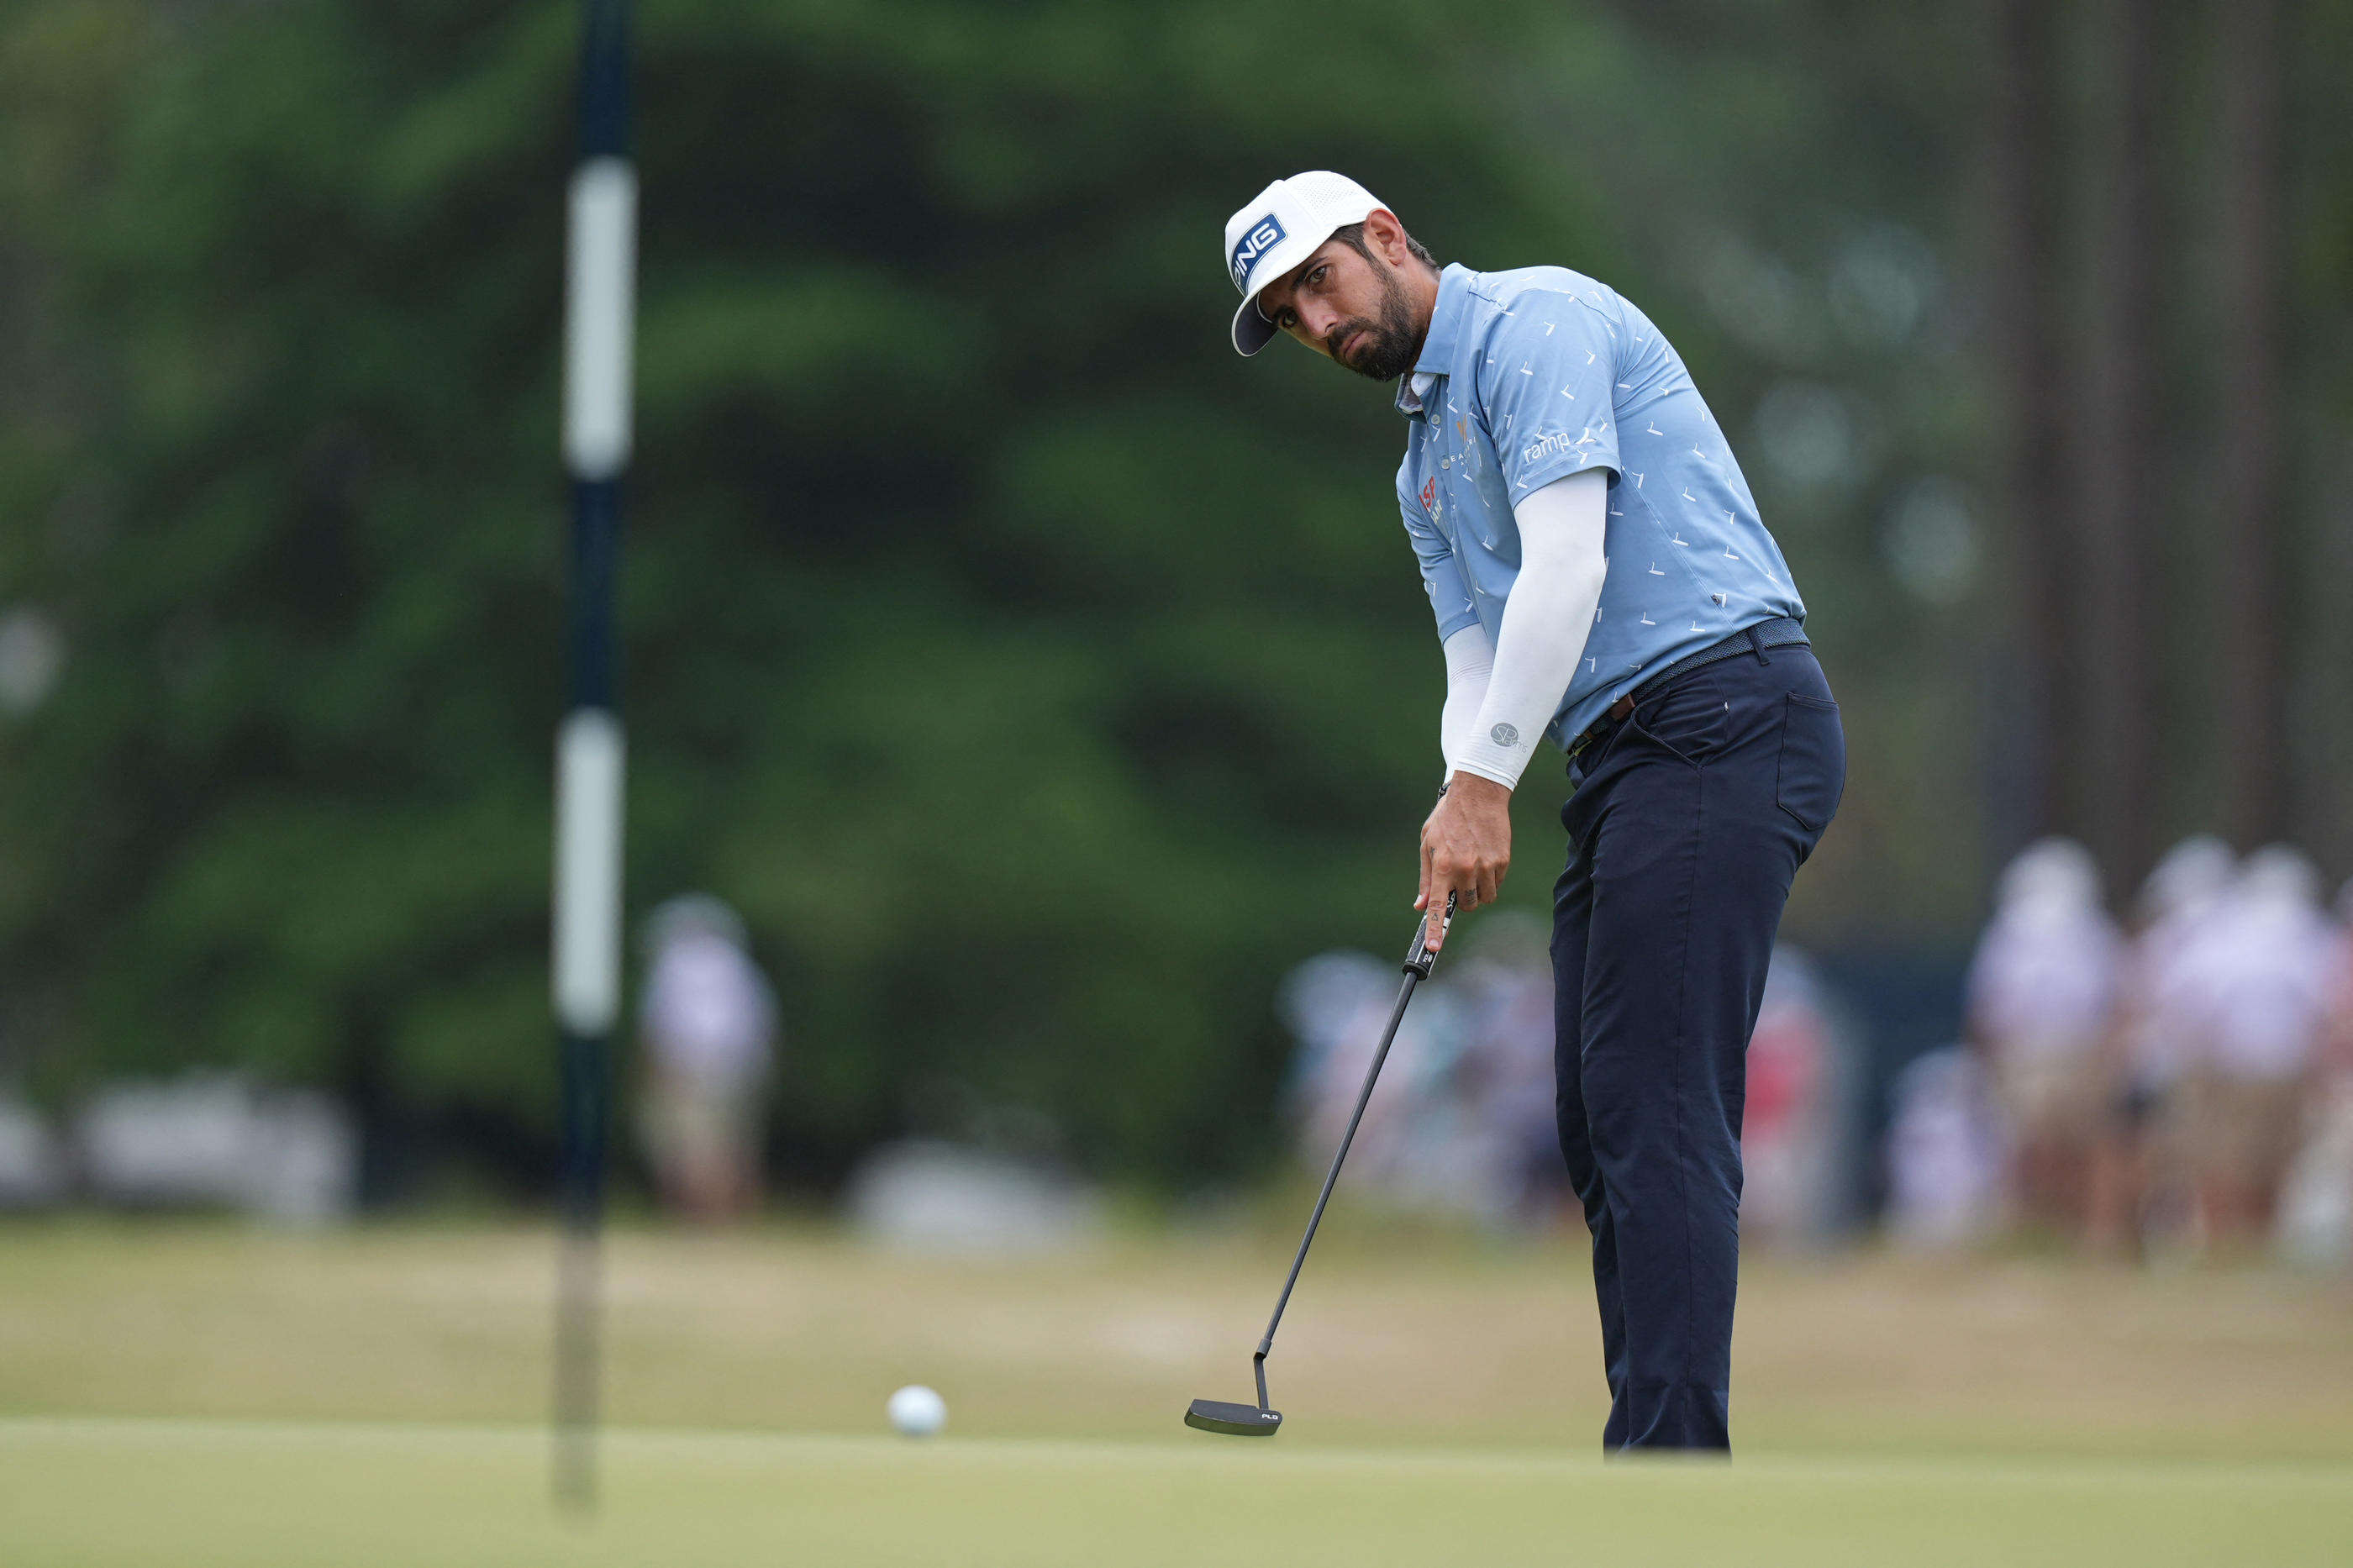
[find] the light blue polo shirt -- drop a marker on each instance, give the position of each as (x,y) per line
(1530,375)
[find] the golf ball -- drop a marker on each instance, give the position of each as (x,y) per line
(917,1412)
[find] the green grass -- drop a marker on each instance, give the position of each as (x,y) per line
(216,1394)
(277,1496)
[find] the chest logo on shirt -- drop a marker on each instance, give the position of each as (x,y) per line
(1429,495)
(1256,241)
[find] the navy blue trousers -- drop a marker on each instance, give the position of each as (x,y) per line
(1687,824)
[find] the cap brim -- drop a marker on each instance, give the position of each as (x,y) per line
(1252,331)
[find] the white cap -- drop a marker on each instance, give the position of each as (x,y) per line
(1279,228)
(2050,871)
(2279,874)
(2192,872)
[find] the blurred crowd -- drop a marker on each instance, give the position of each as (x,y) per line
(1462,1121)
(2173,1083)
(217,1140)
(207,1139)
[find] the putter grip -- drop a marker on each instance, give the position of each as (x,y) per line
(1418,958)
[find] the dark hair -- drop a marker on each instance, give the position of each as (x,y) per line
(1353,237)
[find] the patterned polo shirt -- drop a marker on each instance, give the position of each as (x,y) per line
(1530,375)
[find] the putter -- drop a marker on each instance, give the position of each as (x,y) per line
(1260,1420)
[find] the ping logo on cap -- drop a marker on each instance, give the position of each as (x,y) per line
(1256,241)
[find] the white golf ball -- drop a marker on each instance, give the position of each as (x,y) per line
(917,1412)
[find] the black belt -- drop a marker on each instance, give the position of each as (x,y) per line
(1779,632)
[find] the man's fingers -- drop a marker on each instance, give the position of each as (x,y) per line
(1446,881)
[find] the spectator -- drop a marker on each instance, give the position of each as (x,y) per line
(2041,993)
(1463,1120)
(1944,1152)
(2314,1227)
(2257,981)
(1788,1141)
(1506,1072)
(1335,1006)
(2143,1187)
(708,1021)
(2336,1055)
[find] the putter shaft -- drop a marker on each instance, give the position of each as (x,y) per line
(1418,962)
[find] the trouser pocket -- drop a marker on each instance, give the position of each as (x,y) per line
(1811,776)
(1691,719)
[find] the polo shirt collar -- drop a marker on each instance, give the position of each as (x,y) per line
(1446,320)
(1438,345)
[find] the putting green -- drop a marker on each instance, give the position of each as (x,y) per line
(94,1493)
(1487,1347)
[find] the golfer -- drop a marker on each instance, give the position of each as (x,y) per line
(1602,579)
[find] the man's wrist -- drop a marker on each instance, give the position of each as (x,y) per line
(1476,787)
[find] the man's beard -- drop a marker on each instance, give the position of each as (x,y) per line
(1388,348)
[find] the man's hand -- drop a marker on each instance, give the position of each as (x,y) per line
(1466,848)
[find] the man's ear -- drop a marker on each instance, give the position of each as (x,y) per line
(1388,236)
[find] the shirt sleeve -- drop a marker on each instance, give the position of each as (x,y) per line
(1547,381)
(1546,621)
(1469,660)
(1441,574)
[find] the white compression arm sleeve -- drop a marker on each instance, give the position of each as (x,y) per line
(1469,658)
(1545,620)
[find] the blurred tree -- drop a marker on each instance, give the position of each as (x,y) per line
(2046,676)
(1039,682)
(2254,634)
(2117,485)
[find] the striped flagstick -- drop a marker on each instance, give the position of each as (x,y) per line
(599,325)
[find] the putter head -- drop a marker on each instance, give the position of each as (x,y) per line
(1233,1420)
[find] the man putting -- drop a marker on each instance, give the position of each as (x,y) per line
(1600,578)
